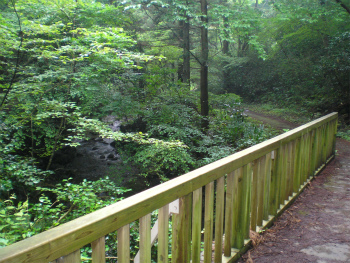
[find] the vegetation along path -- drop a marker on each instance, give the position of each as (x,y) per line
(316,228)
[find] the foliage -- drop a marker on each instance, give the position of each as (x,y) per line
(65,65)
(56,205)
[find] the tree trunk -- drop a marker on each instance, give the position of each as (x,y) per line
(184,70)
(186,47)
(225,50)
(204,66)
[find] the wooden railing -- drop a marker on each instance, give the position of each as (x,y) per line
(242,192)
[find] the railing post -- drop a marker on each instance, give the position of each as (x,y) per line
(254,194)
(196,225)
(145,239)
(181,250)
(267,186)
(123,235)
(261,190)
(273,197)
(229,214)
(297,165)
(98,250)
(219,218)
(208,221)
(163,235)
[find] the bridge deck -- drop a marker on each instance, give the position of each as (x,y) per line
(316,228)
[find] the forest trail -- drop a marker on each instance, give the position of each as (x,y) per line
(273,121)
(316,228)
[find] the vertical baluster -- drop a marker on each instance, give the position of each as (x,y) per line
(267,186)
(335,128)
(279,174)
(196,225)
(324,150)
(145,239)
(219,218)
(208,221)
(330,139)
(309,155)
(315,151)
(237,236)
(181,250)
(284,182)
(297,165)
(290,159)
(163,235)
(273,197)
(261,190)
(73,257)
(123,235)
(228,214)
(254,194)
(99,250)
(304,157)
(247,186)
(320,146)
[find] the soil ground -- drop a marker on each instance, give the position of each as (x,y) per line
(273,121)
(316,228)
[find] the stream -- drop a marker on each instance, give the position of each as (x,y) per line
(91,160)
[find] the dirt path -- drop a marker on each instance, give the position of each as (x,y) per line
(273,121)
(316,228)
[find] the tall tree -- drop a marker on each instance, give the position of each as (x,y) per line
(204,65)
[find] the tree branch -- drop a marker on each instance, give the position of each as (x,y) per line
(343,6)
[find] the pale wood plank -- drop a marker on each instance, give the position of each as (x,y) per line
(208,221)
(254,194)
(308,155)
(228,214)
(73,257)
(237,236)
(335,128)
(303,158)
(261,190)
(267,186)
(163,234)
(145,239)
(290,159)
(219,218)
(279,176)
(246,200)
(123,250)
(297,166)
(77,233)
(315,150)
(273,197)
(174,232)
(183,241)
(99,250)
(284,174)
(196,225)
(324,144)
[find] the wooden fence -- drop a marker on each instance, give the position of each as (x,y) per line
(242,192)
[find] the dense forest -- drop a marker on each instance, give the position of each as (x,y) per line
(160,82)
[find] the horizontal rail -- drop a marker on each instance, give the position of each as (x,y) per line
(66,239)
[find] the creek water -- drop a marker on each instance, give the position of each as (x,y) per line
(91,160)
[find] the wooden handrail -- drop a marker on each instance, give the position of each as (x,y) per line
(312,144)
